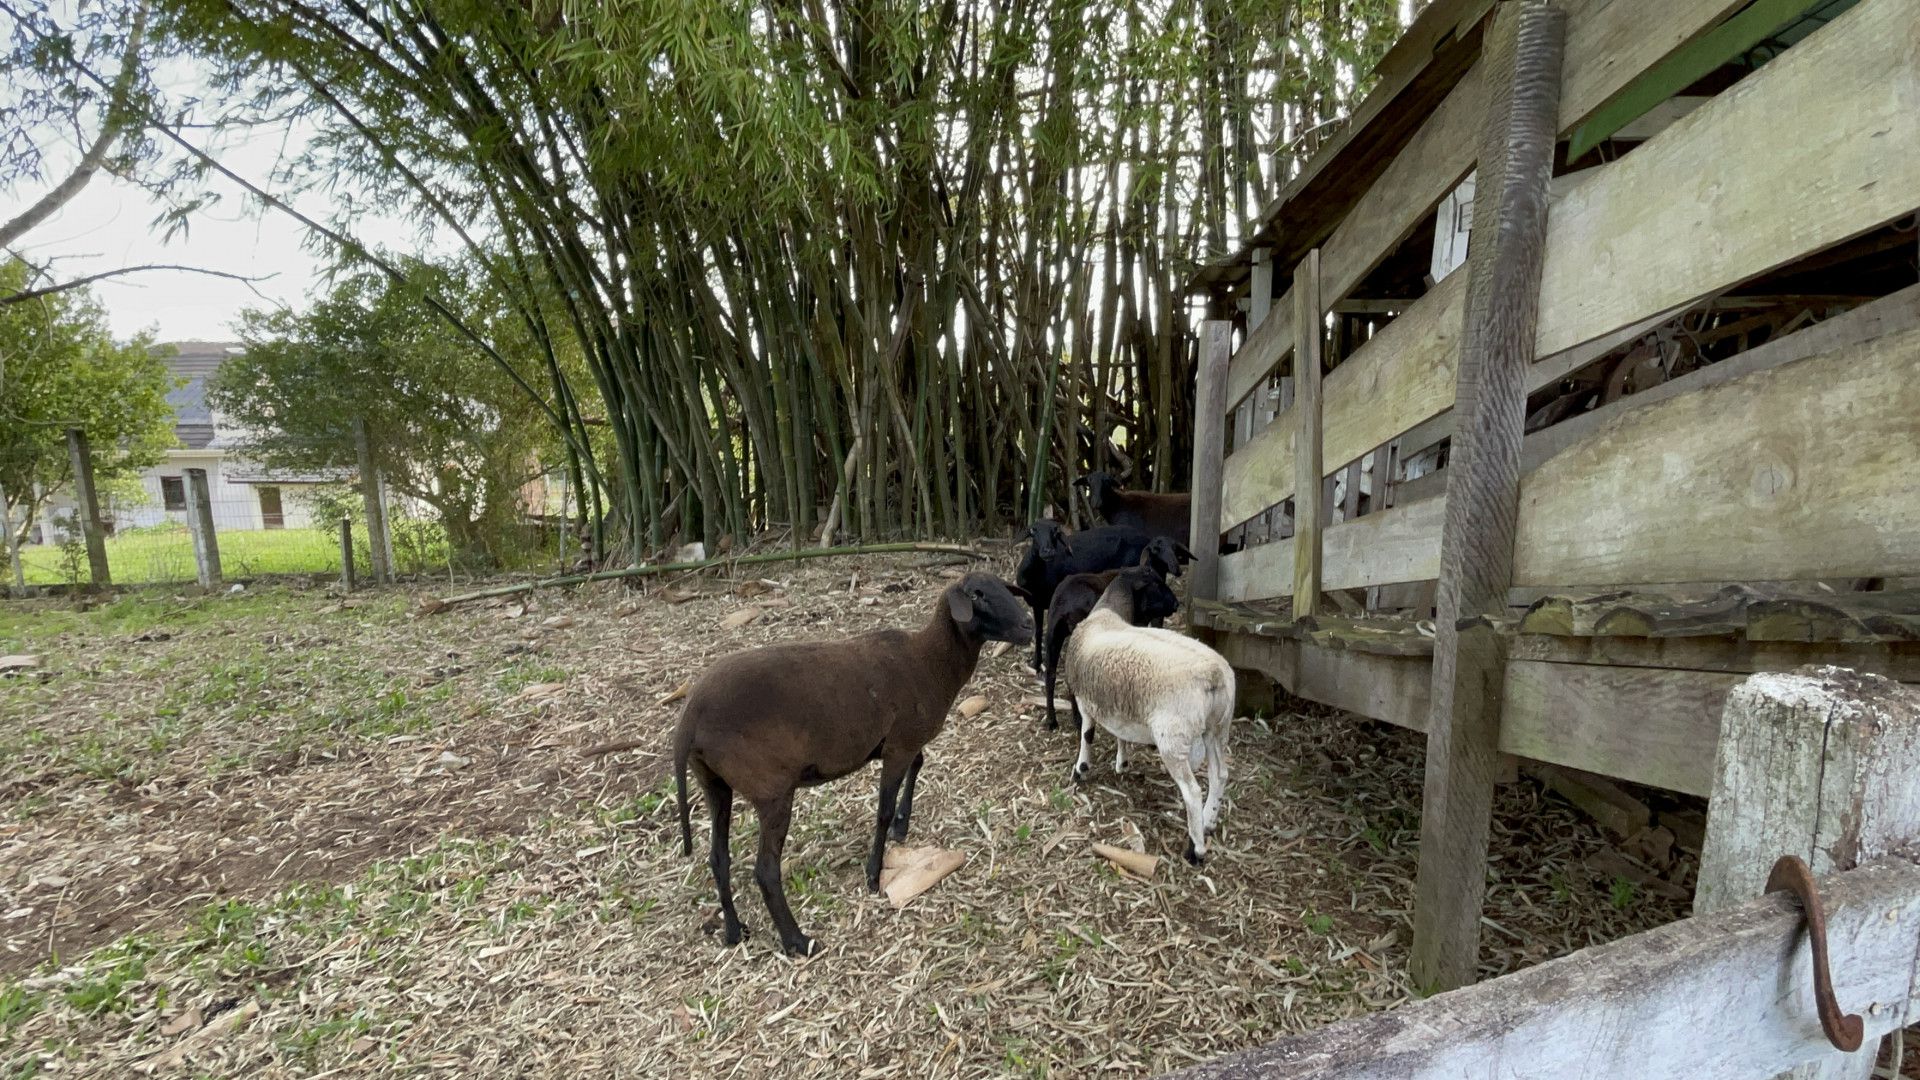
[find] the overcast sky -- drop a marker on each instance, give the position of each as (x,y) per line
(110,225)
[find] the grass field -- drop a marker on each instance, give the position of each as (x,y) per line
(165,554)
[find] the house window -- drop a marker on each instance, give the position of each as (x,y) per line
(173,492)
(271,516)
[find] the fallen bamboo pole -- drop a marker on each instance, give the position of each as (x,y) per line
(433,604)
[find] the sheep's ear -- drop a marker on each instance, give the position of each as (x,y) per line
(1020,593)
(1180,550)
(959,606)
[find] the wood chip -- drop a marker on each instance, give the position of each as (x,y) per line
(973,706)
(537,690)
(557,622)
(1138,864)
(184,1022)
(672,595)
(740,618)
(678,693)
(908,872)
(20,662)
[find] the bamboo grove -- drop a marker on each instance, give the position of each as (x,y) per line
(834,266)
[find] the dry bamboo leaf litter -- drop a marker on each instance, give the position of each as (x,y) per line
(234,816)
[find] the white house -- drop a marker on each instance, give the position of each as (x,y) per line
(244,494)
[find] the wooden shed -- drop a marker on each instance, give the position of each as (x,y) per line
(1660,428)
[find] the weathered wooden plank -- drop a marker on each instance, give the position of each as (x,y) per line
(1523,68)
(1387,546)
(1727,996)
(1209,449)
(1392,689)
(87,503)
(1719,197)
(1401,376)
(1260,474)
(1611,42)
(1802,471)
(1889,314)
(1818,763)
(1648,726)
(1901,662)
(1308,518)
(1268,342)
(1257,573)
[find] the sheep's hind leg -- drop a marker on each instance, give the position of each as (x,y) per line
(906,796)
(1119,754)
(1216,744)
(720,858)
(775,815)
(892,772)
(1181,770)
(1084,766)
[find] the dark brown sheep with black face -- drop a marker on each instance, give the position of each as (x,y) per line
(1155,514)
(765,722)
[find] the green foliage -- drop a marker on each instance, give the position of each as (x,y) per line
(61,368)
(445,425)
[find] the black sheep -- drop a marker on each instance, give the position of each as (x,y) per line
(1054,556)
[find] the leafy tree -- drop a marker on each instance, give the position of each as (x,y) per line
(445,425)
(61,368)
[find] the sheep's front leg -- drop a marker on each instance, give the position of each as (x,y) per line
(1119,754)
(892,772)
(1178,767)
(1039,636)
(775,815)
(906,796)
(1084,765)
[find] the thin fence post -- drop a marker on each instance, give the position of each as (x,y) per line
(1818,763)
(89,506)
(373,496)
(1522,57)
(1209,457)
(13,544)
(206,545)
(346,553)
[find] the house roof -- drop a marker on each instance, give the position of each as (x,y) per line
(194,361)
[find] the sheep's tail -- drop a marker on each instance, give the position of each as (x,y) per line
(680,786)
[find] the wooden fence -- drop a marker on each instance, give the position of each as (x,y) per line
(1819,763)
(1791,462)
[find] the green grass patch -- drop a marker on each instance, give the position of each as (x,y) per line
(164,553)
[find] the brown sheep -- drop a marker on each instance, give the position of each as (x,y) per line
(1154,514)
(764,722)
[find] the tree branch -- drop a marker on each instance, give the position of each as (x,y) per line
(34,294)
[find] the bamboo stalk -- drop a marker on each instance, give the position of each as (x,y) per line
(441,603)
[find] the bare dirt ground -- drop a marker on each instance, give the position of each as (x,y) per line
(278,835)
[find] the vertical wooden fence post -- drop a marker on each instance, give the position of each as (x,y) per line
(373,500)
(1819,763)
(1309,330)
(13,544)
(346,553)
(206,545)
(89,507)
(1522,59)
(1209,456)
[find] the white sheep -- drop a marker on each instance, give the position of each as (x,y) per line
(1158,686)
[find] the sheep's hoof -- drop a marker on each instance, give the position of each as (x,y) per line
(735,934)
(1194,857)
(800,946)
(1080,773)
(1052,724)
(899,831)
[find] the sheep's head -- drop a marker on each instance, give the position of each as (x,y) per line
(1099,486)
(991,609)
(1152,598)
(1165,556)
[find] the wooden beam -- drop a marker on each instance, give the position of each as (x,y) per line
(1401,376)
(1257,573)
(1523,65)
(1209,448)
(1648,726)
(1889,314)
(1900,662)
(206,542)
(1818,763)
(1267,344)
(1683,68)
(1727,996)
(1800,471)
(1392,689)
(1384,547)
(1261,473)
(1630,238)
(1308,519)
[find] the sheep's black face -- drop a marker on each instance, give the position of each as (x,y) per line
(1152,599)
(1049,540)
(1165,556)
(1098,485)
(991,609)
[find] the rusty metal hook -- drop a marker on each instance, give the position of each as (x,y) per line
(1790,874)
